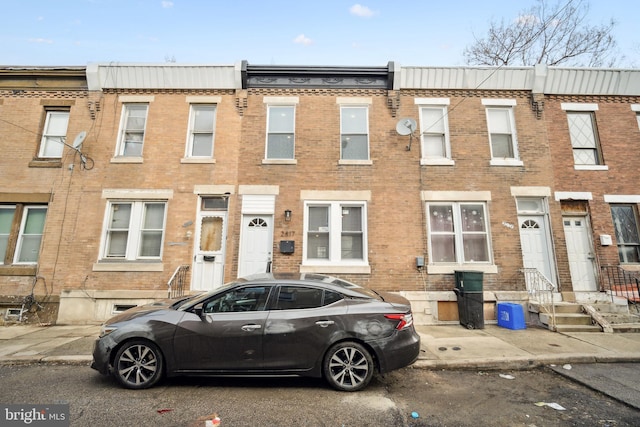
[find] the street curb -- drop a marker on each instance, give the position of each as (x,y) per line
(522,363)
(46,360)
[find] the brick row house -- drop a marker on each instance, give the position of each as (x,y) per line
(117,178)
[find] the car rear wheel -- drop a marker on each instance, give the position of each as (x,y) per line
(138,364)
(348,366)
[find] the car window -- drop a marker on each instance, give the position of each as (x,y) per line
(301,297)
(249,298)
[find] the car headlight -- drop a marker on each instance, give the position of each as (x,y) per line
(106,330)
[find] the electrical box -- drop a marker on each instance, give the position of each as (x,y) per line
(605,240)
(419,261)
(287,246)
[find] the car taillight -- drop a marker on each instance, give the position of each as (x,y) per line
(404,320)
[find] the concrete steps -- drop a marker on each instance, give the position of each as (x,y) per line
(570,318)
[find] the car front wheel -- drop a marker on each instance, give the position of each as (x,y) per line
(138,364)
(348,366)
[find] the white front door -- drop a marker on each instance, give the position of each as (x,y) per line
(208,260)
(536,246)
(580,253)
(256,244)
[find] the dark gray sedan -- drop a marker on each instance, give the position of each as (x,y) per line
(272,324)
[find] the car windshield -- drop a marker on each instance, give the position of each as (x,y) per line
(194,300)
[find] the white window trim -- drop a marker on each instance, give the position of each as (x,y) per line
(20,237)
(335,264)
(280,101)
(45,135)
(138,100)
(622,198)
(368,160)
(572,195)
(461,197)
(134,230)
(508,105)
(442,103)
(575,106)
(188,158)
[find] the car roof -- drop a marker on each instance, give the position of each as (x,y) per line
(335,283)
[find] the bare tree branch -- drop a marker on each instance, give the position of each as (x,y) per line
(552,35)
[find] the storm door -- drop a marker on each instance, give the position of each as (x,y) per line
(209,253)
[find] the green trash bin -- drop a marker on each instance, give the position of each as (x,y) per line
(470,298)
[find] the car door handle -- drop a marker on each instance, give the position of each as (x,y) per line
(325,323)
(249,328)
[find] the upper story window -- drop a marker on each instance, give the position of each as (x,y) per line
(587,153)
(134,230)
(132,129)
(625,223)
(202,124)
(502,131)
(636,108)
(434,131)
(280,132)
(54,133)
(354,132)
(21,230)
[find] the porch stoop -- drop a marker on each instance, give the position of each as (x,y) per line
(570,317)
(600,317)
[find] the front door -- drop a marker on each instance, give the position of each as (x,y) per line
(536,247)
(580,253)
(256,244)
(209,250)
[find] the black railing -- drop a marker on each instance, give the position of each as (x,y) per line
(621,283)
(177,281)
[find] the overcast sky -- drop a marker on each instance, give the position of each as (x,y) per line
(269,32)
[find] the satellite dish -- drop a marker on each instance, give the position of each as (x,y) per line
(79,140)
(406,126)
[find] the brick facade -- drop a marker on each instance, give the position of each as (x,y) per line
(394,184)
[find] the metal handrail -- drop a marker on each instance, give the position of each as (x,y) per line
(176,283)
(541,290)
(621,283)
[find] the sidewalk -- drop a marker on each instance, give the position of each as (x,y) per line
(443,346)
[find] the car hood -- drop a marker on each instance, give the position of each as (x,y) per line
(141,310)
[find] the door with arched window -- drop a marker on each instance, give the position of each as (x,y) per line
(535,238)
(256,244)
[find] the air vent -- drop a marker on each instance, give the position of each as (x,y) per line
(119,308)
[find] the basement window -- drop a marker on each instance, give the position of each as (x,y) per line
(120,308)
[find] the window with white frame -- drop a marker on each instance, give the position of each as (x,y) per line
(625,223)
(21,230)
(354,132)
(335,232)
(132,129)
(458,233)
(636,108)
(54,134)
(280,132)
(134,230)
(434,130)
(584,137)
(583,132)
(202,124)
(502,129)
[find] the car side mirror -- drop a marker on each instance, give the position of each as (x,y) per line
(198,311)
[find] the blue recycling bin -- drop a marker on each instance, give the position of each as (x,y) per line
(511,316)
